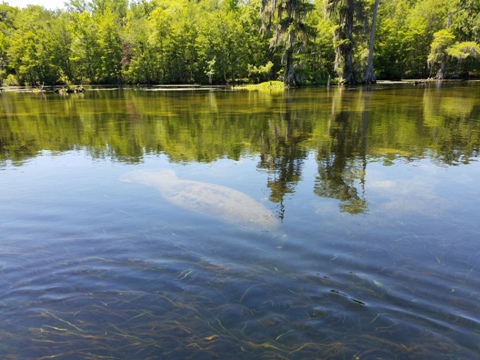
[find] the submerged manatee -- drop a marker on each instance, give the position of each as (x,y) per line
(220,202)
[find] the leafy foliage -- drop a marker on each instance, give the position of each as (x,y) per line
(175,41)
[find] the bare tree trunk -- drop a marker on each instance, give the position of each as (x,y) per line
(344,36)
(369,77)
(441,71)
(349,69)
(289,77)
(455,76)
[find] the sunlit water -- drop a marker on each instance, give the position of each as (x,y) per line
(376,254)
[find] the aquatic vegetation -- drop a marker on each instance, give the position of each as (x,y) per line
(172,321)
(265,86)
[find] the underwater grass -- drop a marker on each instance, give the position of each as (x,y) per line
(257,319)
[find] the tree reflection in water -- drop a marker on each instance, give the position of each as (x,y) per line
(341,172)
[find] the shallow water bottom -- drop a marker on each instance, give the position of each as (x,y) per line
(95,268)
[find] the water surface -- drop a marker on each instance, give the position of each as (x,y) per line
(374,253)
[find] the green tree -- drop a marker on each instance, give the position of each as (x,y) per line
(461,51)
(390,44)
(110,48)
(424,19)
(256,51)
(96,45)
(182,52)
(466,27)
(466,20)
(221,38)
(320,57)
(344,39)
(137,52)
(369,76)
(117,7)
(286,17)
(85,55)
(60,41)
(32,47)
(438,50)
(7,16)
(172,41)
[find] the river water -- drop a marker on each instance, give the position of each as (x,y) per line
(200,224)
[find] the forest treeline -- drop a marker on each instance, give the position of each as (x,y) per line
(238,41)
